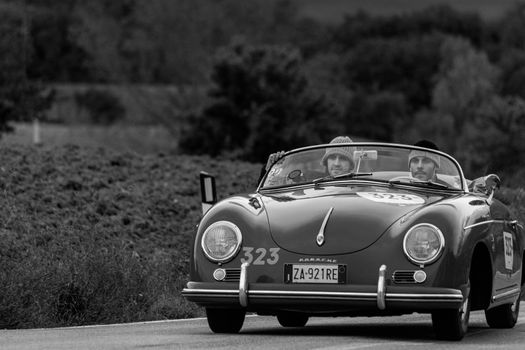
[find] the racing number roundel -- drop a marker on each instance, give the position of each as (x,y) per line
(392,198)
(509,250)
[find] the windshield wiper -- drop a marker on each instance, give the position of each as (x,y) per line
(334,177)
(435,184)
(418,182)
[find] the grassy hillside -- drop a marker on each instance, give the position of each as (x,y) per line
(332,11)
(90,236)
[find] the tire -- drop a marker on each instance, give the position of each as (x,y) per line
(452,324)
(503,316)
(225,320)
(289,319)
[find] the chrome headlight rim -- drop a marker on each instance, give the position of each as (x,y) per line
(238,236)
(436,256)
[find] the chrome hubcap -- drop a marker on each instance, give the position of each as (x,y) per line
(514,306)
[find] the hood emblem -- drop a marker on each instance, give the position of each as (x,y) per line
(320,235)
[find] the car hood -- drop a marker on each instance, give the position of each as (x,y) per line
(355,218)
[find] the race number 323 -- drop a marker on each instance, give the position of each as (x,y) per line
(260,256)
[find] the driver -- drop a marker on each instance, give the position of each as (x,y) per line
(339,160)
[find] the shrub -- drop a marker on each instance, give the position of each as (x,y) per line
(91,236)
(103,107)
(78,281)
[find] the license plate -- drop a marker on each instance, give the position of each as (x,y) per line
(314,273)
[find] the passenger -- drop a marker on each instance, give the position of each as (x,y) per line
(329,160)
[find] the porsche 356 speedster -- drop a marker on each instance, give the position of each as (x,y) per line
(368,237)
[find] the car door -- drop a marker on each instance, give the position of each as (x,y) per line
(507,257)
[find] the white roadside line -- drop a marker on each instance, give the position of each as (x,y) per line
(354,346)
(179,320)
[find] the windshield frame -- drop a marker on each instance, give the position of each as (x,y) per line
(462,180)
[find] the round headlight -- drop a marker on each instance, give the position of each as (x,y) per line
(221,241)
(423,243)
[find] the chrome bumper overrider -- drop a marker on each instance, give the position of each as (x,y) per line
(260,294)
(381,288)
(243,285)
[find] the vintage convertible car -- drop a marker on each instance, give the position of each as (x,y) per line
(372,241)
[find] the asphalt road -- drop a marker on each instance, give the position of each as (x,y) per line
(404,332)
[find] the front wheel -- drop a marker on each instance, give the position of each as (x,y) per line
(225,320)
(503,316)
(452,324)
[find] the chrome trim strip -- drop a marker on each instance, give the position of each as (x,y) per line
(314,294)
(506,294)
(320,235)
(484,223)
(243,285)
(224,292)
(381,288)
(299,293)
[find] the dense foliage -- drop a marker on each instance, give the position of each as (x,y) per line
(262,102)
(90,236)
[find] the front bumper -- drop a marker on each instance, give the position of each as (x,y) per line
(255,296)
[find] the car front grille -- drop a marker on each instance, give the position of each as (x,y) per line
(403,276)
(232,275)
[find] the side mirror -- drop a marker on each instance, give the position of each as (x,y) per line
(492,181)
(208,191)
(486,184)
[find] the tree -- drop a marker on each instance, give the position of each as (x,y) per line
(464,81)
(432,125)
(512,65)
(466,78)
(494,139)
(399,65)
(20,99)
(512,27)
(433,19)
(261,103)
(375,116)
(173,42)
(56,55)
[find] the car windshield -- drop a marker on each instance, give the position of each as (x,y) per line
(393,164)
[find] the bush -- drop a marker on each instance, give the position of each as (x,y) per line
(89,236)
(103,107)
(78,281)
